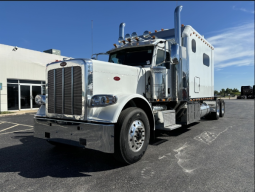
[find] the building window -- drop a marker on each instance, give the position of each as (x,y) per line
(29,81)
(193,45)
(13,96)
(206,60)
(12,81)
(21,93)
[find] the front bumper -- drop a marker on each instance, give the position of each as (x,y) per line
(89,135)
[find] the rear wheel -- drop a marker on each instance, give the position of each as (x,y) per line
(222,108)
(214,115)
(132,134)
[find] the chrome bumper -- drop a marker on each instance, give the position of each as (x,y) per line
(89,135)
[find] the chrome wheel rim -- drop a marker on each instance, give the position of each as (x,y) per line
(218,110)
(223,109)
(136,135)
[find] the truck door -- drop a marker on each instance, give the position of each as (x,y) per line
(197,84)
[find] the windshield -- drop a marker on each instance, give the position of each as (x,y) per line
(133,56)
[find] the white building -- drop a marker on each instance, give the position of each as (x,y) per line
(22,75)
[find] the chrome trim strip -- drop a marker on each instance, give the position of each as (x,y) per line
(72,90)
(88,85)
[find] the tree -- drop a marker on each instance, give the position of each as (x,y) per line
(222,92)
(228,91)
(235,90)
(216,92)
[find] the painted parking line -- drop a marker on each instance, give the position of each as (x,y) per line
(9,128)
(16,123)
(13,132)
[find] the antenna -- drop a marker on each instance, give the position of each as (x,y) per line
(92,36)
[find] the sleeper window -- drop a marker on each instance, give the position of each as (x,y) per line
(193,45)
(206,60)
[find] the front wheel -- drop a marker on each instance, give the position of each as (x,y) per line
(132,135)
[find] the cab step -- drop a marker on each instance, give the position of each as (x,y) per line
(166,120)
(168,128)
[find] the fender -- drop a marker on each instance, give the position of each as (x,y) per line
(110,114)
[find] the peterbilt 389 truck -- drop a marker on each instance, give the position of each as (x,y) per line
(156,81)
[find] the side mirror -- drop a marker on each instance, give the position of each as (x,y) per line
(175,53)
(93,58)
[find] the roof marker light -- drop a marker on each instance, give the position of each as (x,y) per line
(120,40)
(156,31)
(127,36)
(146,34)
(162,29)
(134,35)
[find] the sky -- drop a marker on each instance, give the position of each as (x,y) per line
(67,26)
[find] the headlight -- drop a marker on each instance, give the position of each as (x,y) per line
(40,99)
(103,100)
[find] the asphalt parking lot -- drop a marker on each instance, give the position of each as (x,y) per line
(212,155)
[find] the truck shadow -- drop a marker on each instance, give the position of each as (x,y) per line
(175,132)
(35,158)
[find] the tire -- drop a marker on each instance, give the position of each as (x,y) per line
(222,108)
(216,115)
(133,123)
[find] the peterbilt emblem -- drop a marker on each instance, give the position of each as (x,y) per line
(63,64)
(116,78)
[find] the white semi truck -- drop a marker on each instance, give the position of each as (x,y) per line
(156,81)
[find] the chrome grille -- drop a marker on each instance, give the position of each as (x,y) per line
(51,98)
(77,91)
(65,91)
(58,89)
(68,91)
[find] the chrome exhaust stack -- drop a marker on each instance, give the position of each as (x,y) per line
(121,32)
(176,57)
(177,24)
